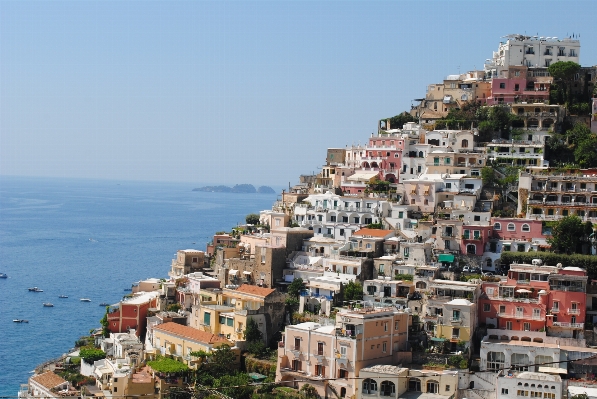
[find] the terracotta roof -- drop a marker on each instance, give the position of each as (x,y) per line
(372,232)
(191,333)
(48,379)
(255,290)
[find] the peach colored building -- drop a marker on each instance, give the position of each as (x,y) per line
(333,355)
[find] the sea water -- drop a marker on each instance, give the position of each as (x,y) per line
(91,239)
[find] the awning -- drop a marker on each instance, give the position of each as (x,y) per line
(523,291)
(446,258)
(447,99)
(552,370)
(362,176)
(232,272)
(246,272)
(438,339)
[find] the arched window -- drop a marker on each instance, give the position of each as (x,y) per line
(495,360)
(420,154)
(388,388)
(414,385)
(526,228)
(542,360)
(464,143)
(421,285)
(519,361)
(471,249)
(497,226)
(369,386)
(511,227)
(488,263)
(432,386)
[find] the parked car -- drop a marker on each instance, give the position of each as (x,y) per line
(466,269)
(476,270)
(488,274)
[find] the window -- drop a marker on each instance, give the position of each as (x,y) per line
(486,307)
(516,87)
(497,226)
(526,327)
(526,228)
(506,247)
(508,325)
(502,85)
(519,362)
(369,386)
(222,320)
(385,344)
(319,370)
(511,227)
(536,313)
(387,388)
(504,391)
(342,373)
(207,318)
(297,344)
(432,386)
(464,143)
(296,365)
(455,333)
(495,360)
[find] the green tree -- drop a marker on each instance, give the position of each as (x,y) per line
(585,153)
(295,288)
(252,332)
(567,234)
(353,291)
(563,73)
(398,121)
(238,385)
(488,176)
(90,354)
(219,363)
(252,218)
(308,392)
(104,323)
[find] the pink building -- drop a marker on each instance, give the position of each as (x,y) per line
(334,355)
(537,297)
(518,89)
(474,239)
(516,229)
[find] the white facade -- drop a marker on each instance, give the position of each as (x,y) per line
(532,51)
(528,384)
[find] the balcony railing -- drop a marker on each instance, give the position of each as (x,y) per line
(456,320)
(573,311)
(555,310)
(570,325)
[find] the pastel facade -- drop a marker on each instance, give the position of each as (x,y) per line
(187,261)
(360,338)
(132,313)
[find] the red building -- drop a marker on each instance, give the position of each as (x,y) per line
(537,298)
(474,239)
(132,313)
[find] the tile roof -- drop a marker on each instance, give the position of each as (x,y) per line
(255,290)
(48,379)
(372,232)
(191,333)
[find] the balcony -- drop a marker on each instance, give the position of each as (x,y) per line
(455,337)
(573,311)
(555,310)
(456,320)
(568,325)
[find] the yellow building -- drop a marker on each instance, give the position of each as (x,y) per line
(180,341)
(229,314)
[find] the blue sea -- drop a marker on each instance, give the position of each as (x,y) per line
(91,239)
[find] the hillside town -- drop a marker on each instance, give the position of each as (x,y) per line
(450,255)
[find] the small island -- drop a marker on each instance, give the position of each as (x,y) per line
(238,188)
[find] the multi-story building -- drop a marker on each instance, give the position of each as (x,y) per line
(131,313)
(335,216)
(537,297)
(554,196)
(384,291)
(531,51)
(48,385)
(120,378)
(187,261)
(528,384)
(392,381)
(229,313)
(326,354)
(179,341)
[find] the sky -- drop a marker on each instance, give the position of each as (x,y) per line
(234,92)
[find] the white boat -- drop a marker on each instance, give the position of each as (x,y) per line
(85,300)
(62,296)
(48,305)
(20,321)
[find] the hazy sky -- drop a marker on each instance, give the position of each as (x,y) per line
(234,92)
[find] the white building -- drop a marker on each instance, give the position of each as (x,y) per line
(528,384)
(531,51)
